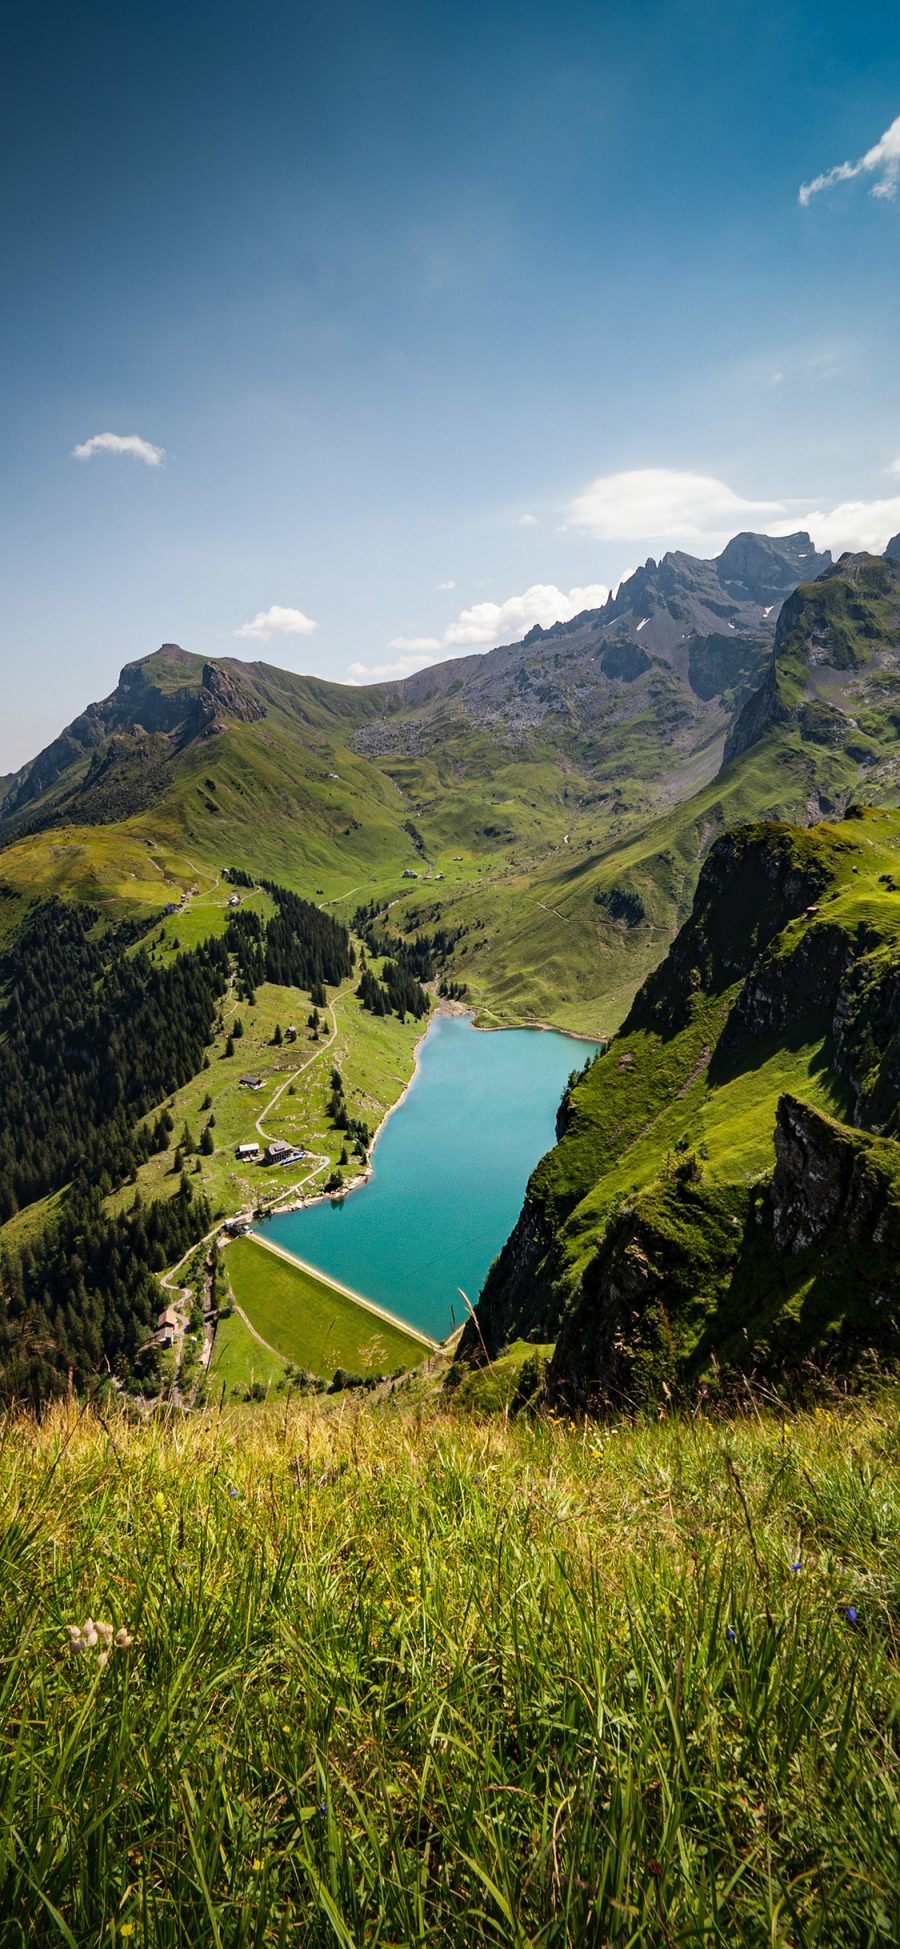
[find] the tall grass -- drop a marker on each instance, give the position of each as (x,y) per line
(397,1678)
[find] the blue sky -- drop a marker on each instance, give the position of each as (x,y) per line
(400,293)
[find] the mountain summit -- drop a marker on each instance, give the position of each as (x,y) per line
(632,694)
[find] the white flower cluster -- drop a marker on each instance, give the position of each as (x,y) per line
(87,1636)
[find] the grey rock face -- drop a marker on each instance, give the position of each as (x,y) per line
(825,1179)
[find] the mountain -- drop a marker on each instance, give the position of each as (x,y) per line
(724,1195)
(673,652)
(504,782)
(573,936)
(836,660)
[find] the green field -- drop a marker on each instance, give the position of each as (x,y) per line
(239,1362)
(400,1678)
(311,1322)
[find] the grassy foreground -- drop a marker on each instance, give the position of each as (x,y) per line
(401,1678)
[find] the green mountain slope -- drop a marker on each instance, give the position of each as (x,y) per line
(484,790)
(725,1192)
(591,919)
(550,818)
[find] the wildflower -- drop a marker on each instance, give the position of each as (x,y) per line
(127,1929)
(731,1634)
(796,1566)
(102,1660)
(122,1640)
(256,1864)
(323,1806)
(850,1614)
(160,1502)
(105,1632)
(232,1492)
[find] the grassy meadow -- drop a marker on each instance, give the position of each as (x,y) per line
(374,1055)
(312,1323)
(398,1676)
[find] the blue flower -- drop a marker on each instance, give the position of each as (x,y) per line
(850,1614)
(731,1634)
(796,1566)
(232,1492)
(323,1806)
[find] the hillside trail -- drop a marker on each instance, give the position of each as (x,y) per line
(301,1071)
(257,1336)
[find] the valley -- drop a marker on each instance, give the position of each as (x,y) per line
(524,831)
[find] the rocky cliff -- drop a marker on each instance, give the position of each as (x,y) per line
(719,1167)
(836,642)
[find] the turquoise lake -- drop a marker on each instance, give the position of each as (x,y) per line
(450,1170)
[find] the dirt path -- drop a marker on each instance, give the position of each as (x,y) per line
(258,1336)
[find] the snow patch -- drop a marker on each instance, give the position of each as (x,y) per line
(643,622)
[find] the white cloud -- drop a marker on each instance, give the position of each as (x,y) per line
(405,666)
(484,625)
(527,521)
(446,585)
(855,525)
(120,443)
(881,161)
(277,621)
(487,623)
(653,503)
(894,467)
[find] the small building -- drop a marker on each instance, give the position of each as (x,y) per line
(278,1152)
(236,1227)
(235,900)
(245,1151)
(409,873)
(290,1033)
(167,1326)
(251,1082)
(170,907)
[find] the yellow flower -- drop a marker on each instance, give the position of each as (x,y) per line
(127,1929)
(256,1864)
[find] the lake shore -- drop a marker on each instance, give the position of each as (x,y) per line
(444,1008)
(447,1190)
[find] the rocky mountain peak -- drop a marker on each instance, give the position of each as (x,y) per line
(222,695)
(765,568)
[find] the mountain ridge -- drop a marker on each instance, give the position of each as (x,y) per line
(680,589)
(548,816)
